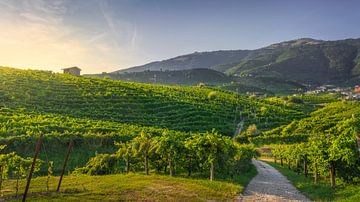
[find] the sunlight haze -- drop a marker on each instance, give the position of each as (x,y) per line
(108,35)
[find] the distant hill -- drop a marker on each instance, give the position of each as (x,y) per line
(263,85)
(195,60)
(208,77)
(181,77)
(303,61)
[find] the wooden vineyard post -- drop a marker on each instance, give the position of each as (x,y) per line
(38,146)
(332,174)
(357,137)
(65,163)
(305,167)
(212,171)
(1,174)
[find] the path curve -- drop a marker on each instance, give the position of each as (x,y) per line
(270,185)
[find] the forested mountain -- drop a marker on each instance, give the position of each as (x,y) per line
(192,61)
(304,61)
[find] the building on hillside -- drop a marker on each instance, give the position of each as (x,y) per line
(357,89)
(72,70)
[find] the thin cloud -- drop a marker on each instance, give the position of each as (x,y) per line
(133,38)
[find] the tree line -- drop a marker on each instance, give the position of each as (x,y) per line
(171,152)
(334,153)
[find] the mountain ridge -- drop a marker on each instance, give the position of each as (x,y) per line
(304,60)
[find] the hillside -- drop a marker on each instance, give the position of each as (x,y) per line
(192,77)
(180,77)
(319,121)
(304,61)
(178,108)
(195,60)
(96,112)
(264,85)
(165,125)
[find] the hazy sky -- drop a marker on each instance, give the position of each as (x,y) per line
(107,35)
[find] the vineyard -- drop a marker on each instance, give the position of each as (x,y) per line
(177,108)
(95,112)
(324,147)
(117,127)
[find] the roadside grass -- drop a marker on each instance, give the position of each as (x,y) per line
(321,191)
(133,187)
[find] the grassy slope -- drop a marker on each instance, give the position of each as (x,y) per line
(178,108)
(135,187)
(95,112)
(321,191)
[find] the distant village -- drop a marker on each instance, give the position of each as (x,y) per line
(347,93)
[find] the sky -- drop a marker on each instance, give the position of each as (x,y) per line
(108,35)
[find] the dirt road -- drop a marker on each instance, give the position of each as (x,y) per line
(270,185)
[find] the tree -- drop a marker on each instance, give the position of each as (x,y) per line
(209,147)
(251,130)
(142,146)
(169,146)
(317,155)
(19,167)
(279,152)
(14,166)
(343,147)
(3,165)
(126,152)
(100,164)
(212,95)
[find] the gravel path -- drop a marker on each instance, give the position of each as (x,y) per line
(270,185)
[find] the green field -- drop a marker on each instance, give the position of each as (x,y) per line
(135,187)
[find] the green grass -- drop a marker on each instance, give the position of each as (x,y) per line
(135,187)
(321,191)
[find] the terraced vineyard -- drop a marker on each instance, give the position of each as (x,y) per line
(178,108)
(97,112)
(319,121)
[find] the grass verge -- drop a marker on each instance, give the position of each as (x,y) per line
(134,187)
